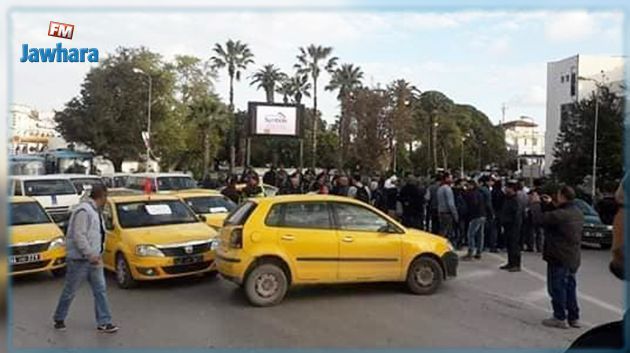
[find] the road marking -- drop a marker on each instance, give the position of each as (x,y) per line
(602,304)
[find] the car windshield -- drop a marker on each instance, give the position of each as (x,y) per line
(48,187)
(23,213)
(153,213)
(175,183)
(586,209)
(210,204)
(82,184)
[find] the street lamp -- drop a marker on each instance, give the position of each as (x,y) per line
(598,85)
(461,161)
(139,71)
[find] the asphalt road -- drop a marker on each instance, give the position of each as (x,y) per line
(482,307)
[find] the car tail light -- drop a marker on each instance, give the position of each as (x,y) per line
(236,238)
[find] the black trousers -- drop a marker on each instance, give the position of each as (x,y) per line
(513,239)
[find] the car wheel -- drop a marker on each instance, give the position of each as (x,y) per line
(424,276)
(266,285)
(211,274)
(58,272)
(124,278)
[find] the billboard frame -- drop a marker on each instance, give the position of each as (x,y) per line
(251,111)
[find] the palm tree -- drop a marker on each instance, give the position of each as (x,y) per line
(206,112)
(311,60)
(345,79)
(402,97)
(235,56)
(300,87)
(268,78)
(434,104)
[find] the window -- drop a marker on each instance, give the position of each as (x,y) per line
(18,188)
(210,204)
(153,213)
(353,217)
(46,187)
(573,83)
(239,215)
(107,217)
(82,184)
(562,79)
(24,213)
(534,142)
(314,215)
(525,142)
(175,183)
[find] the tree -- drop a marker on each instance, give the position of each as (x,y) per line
(310,61)
(235,56)
(194,77)
(434,104)
(111,109)
(402,95)
(345,80)
(208,114)
(268,78)
(573,149)
(371,141)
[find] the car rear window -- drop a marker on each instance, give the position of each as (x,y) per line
(239,216)
(46,187)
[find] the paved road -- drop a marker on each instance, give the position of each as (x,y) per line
(483,307)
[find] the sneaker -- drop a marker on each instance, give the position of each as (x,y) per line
(553,322)
(60,325)
(478,256)
(109,328)
(575,324)
(514,269)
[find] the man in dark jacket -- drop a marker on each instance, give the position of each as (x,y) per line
(293,187)
(511,218)
(563,234)
(475,204)
(497,205)
(412,202)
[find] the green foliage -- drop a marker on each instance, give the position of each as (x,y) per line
(268,78)
(111,109)
(574,147)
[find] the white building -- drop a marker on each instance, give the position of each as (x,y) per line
(564,88)
(30,130)
(524,137)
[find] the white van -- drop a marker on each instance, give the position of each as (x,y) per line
(54,192)
(161,181)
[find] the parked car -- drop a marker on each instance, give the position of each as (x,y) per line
(36,242)
(595,231)
(152,237)
(211,205)
(115,180)
(269,244)
(55,192)
(161,181)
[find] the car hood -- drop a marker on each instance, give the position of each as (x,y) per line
(170,234)
(34,232)
(425,237)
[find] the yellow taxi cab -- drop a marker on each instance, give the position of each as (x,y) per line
(37,243)
(269,244)
(151,237)
(210,205)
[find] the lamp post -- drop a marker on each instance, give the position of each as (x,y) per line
(461,160)
(598,85)
(139,71)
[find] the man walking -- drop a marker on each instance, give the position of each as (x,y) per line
(411,199)
(84,248)
(563,232)
(511,219)
(432,213)
(446,208)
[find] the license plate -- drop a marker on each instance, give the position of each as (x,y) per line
(24,259)
(186,260)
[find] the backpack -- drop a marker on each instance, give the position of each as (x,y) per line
(363,195)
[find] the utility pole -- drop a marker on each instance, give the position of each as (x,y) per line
(503,109)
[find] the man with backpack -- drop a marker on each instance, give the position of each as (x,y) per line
(358,190)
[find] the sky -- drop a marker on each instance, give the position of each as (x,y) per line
(482,58)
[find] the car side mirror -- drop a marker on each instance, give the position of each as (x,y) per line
(202,218)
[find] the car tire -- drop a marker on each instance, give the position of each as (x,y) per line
(425,276)
(211,274)
(124,278)
(58,272)
(266,285)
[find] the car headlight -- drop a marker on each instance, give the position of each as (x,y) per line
(214,244)
(450,246)
(58,242)
(148,250)
(608,227)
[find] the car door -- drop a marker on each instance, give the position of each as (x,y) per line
(369,246)
(305,233)
(111,236)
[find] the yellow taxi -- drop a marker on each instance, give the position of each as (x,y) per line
(37,243)
(151,237)
(210,205)
(269,244)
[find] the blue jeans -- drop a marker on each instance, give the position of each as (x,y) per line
(561,286)
(78,271)
(476,234)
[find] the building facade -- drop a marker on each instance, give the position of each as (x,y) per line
(566,86)
(30,130)
(524,137)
